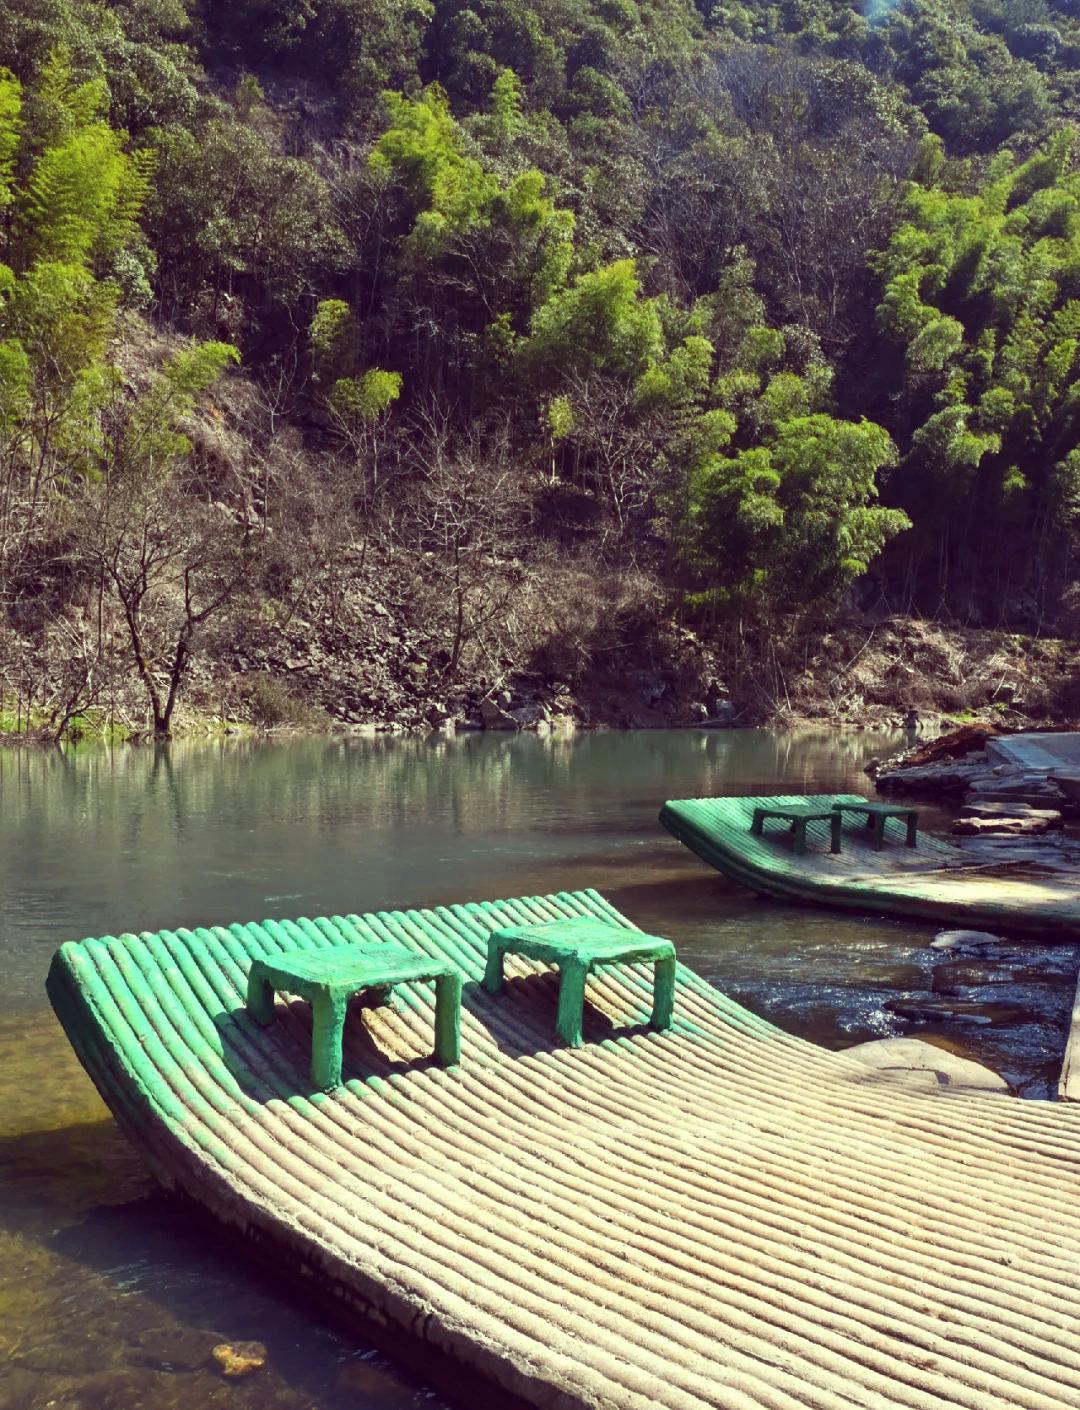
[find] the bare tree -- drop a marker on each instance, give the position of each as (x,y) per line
(172,564)
(466,515)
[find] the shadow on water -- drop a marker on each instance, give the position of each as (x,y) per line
(109,1296)
(112,1297)
(126,1303)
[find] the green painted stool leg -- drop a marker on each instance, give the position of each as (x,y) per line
(877,833)
(663,1004)
(572,976)
(799,843)
(327,1026)
(448,1019)
(493,970)
(912,837)
(260,998)
(835,823)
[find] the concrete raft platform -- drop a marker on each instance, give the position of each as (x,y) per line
(932,881)
(717,1216)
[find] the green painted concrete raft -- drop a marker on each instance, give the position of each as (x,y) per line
(711,1214)
(932,880)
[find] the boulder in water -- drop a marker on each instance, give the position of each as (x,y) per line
(963,940)
(902,1056)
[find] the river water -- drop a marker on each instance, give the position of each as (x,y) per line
(107,1299)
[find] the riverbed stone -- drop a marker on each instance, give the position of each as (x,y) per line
(239,1358)
(908,1055)
(170,1348)
(981,1011)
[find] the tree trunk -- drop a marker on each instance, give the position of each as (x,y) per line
(162,717)
(163,727)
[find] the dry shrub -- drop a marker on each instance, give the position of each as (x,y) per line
(273,705)
(582,615)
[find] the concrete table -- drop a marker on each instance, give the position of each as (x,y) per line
(328,978)
(799,814)
(578,947)
(877,814)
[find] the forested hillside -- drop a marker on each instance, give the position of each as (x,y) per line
(368,358)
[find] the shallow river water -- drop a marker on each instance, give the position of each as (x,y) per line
(107,1299)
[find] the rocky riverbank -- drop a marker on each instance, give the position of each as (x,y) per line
(1012,799)
(1013,794)
(371,666)
(992,775)
(644,670)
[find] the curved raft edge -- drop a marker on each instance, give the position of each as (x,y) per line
(718,831)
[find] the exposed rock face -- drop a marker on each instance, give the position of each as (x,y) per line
(527,715)
(906,1057)
(495,717)
(722,715)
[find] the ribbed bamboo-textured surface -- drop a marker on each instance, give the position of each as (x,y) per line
(719,1215)
(933,881)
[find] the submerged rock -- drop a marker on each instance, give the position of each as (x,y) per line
(239,1358)
(932,1010)
(979,1012)
(908,1055)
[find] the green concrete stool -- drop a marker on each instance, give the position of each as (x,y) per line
(798,815)
(877,814)
(329,977)
(577,947)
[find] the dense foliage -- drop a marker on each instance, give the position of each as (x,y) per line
(743,300)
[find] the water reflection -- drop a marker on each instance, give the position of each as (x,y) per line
(133,838)
(108,1297)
